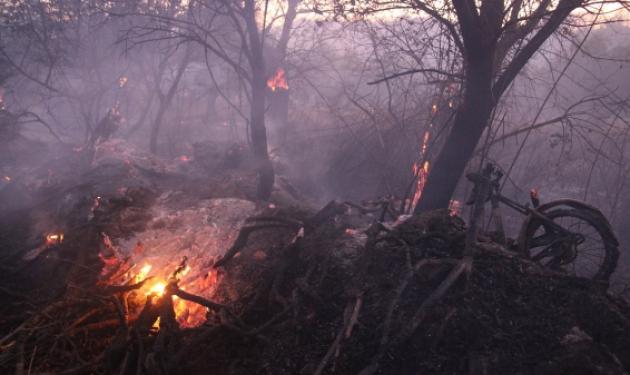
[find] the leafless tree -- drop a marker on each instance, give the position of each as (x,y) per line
(238,34)
(494,39)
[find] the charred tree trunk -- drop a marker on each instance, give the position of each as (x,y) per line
(258,133)
(471,119)
(279,112)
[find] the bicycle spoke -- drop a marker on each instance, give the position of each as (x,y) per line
(578,248)
(544,253)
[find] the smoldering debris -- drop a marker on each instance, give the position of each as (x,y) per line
(151,279)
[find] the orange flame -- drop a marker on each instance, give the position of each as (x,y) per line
(421,169)
(278,81)
(54,239)
(422,173)
(188,314)
(157,289)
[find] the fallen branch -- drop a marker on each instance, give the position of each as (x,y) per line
(334,347)
(464,266)
(113,289)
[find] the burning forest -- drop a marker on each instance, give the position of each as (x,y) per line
(314,187)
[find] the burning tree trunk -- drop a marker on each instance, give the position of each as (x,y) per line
(484,44)
(258,130)
(471,119)
(242,48)
(279,102)
(441,116)
(278,85)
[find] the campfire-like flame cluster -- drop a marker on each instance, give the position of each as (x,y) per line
(156,278)
(278,81)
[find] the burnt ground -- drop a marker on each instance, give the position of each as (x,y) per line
(308,292)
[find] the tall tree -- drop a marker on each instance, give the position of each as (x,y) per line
(495,39)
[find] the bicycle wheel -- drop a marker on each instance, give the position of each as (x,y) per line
(586,248)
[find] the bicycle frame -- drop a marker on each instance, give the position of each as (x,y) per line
(525,210)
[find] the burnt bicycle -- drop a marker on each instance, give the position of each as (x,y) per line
(565,235)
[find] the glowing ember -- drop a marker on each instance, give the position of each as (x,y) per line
(425,143)
(422,173)
(54,239)
(421,170)
(122,81)
(278,81)
(7,178)
(454,207)
(184,158)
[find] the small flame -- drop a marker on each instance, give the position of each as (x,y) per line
(184,158)
(54,239)
(122,81)
(278,81)
(421,171)
(143,273)
(7,178)
(157,289)
(434,108)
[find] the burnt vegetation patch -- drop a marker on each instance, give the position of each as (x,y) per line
(314,187)
(332,291)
